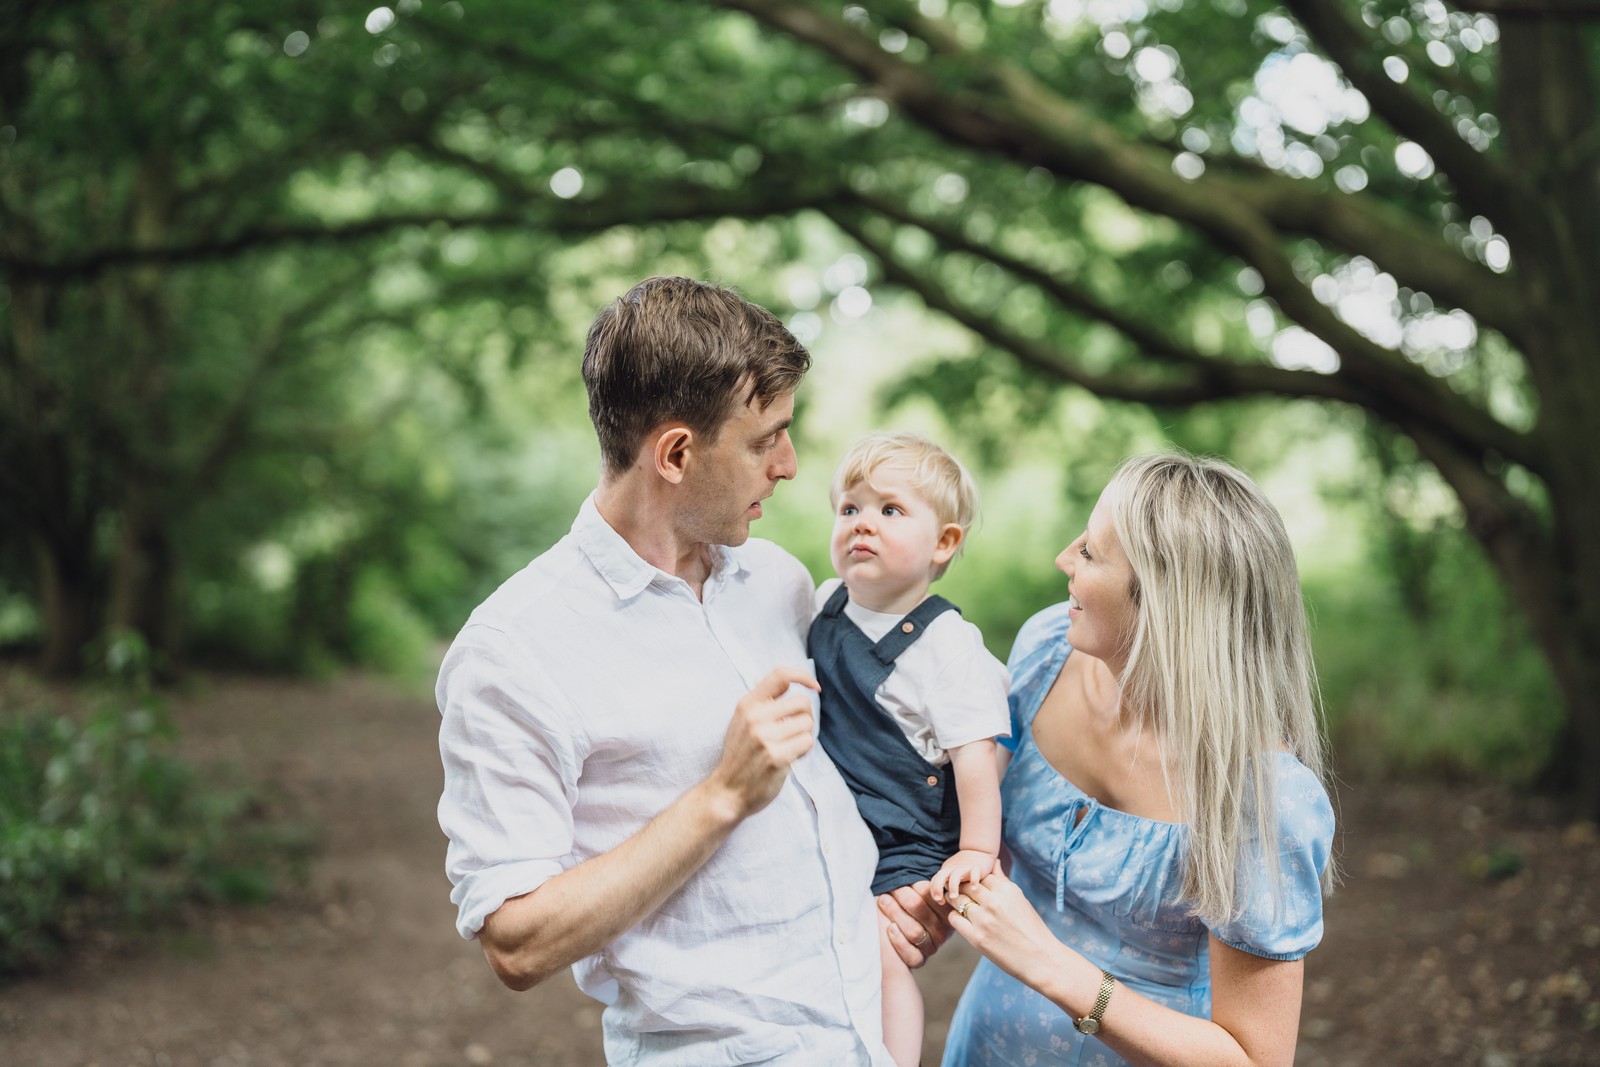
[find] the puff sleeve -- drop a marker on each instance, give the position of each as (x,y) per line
(1283,920)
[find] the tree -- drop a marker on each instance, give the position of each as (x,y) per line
(1384,204)
(1450,166)
(203,212)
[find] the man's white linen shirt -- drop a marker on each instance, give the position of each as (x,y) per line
(582,698)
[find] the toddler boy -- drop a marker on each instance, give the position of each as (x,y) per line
(911,699)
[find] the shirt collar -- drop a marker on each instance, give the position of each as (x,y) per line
(625,570)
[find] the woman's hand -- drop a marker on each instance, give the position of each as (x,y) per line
(1002,925)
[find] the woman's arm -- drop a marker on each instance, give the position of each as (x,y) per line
(1255,1002)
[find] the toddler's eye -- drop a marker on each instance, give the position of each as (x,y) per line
(892,509)
(848,509)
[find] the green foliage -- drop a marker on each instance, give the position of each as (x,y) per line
(100,825)
(1460,693)
(340,401)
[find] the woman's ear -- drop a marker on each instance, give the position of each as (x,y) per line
(669,452)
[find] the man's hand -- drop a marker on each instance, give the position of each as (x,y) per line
(916,927)
(968,865)
(771,728)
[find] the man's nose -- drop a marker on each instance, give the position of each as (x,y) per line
(787,464)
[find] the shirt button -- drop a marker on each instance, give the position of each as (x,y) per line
(933,779)
(907,627)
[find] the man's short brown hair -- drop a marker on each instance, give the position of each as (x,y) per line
(676,349)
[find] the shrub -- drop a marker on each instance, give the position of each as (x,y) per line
(101,826)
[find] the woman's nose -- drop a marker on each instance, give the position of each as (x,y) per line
(1064,562)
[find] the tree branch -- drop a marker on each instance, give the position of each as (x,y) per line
(1485,186)
(1208,379)
(641,207)
(1152,342)
(1564,9)
(1032,124)
(1390,237)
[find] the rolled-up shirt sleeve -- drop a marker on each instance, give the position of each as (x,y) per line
(511,763)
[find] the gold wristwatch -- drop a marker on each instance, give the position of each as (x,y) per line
(1090,1024)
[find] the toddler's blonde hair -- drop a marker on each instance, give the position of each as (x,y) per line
(935,474)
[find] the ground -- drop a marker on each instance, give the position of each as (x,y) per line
(1467,930)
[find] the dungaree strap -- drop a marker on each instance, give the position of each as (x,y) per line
(899,638)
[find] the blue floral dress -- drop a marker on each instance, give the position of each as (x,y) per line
(1107,885)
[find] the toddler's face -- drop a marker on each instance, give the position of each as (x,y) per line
(887,541)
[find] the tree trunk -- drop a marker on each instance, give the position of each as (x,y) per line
(143,580)
(1550,115)
(67,601)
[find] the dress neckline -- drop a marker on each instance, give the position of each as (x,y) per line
(1053,668)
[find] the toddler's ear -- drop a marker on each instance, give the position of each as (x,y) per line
(950,538)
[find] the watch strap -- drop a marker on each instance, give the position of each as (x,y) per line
(1090,1024)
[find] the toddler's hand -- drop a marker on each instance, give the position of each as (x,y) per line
(968,865)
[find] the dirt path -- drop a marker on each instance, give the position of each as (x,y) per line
(1428,959)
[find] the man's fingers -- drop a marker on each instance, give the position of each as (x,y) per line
(781,707)
(791,749)
(912,956)
(776,683)
(907,908)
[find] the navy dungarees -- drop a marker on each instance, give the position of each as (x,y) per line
(910,804)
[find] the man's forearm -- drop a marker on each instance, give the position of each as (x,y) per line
(581,910)
(585,908)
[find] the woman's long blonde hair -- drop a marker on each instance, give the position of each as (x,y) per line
(1220,662)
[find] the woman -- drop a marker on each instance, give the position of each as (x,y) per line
(1165,816)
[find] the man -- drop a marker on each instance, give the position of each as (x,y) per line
(706,877)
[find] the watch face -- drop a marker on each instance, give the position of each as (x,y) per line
(1088,1026)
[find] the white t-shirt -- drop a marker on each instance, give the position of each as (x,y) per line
(946,689)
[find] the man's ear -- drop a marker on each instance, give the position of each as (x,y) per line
(669,452)
(950,538)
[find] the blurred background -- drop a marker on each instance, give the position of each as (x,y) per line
(292,302)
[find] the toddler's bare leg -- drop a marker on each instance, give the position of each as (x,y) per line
(902,1004)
